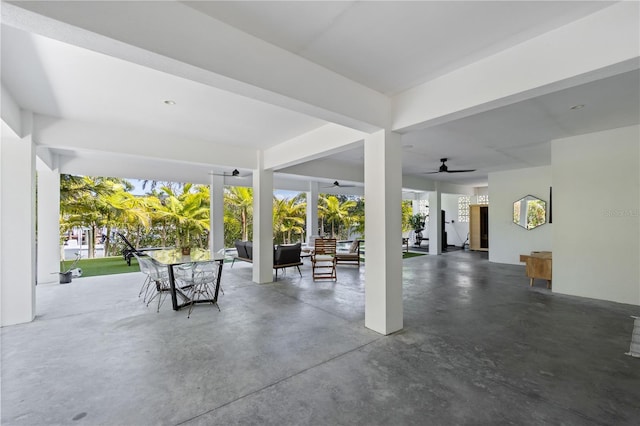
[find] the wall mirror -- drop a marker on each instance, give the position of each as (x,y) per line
(529,212)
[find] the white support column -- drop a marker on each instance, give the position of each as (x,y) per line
(435,222)
(383,232)
(17,228)
(312,210)
(262,223)
(216,213)
(48,234)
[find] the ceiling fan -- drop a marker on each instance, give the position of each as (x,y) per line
(337,184)
(235,173)
(444,169)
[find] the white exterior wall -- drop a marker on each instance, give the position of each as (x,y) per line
(596,215)
(507,241)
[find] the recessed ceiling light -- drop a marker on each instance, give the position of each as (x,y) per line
(407,146)
(577,106)
(170,102)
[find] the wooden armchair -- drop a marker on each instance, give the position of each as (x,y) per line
(323,260)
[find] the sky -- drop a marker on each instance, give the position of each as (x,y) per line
(137,190)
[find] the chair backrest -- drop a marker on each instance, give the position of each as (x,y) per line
(355,246)
(144,263)
(249,246)
(242,249)
(325,246)
(286,254)
(312,240)
(206,272)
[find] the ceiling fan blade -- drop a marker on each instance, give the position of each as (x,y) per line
(235,174)
(336,184)
(461,171)
(430,173)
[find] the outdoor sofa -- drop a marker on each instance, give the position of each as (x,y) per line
(284,255)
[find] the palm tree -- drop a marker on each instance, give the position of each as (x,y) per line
(337,212)
(188,212)
(128,211)
(240,199)
(289,216)
(82,202)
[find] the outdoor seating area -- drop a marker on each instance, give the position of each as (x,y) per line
(186,279)
(500,361)
(284,255)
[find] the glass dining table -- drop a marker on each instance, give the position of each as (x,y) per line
(174,257)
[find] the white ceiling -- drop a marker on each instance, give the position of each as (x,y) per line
(53,78)
(386,46)
(392,47)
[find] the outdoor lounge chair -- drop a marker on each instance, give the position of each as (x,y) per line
(351,257)
(129,251)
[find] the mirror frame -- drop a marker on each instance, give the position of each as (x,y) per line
(530,202)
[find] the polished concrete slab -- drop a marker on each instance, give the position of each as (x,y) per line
(479,347)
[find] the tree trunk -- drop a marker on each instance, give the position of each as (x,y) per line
(107,242)
(245,233)
(91,243)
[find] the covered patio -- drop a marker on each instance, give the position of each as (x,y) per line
(479,346)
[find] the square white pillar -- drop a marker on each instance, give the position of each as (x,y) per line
(17,231)
(312,210)
(383,232)
(262,223)
(48,234)
(216,213)
(435,222)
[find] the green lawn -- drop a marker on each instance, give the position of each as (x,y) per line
(410,254)
(117,265)
(104,266)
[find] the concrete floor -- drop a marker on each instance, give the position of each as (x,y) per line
(479,347)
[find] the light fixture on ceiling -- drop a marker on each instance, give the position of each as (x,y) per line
(576,107)
(170,102)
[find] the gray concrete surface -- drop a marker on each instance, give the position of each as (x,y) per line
(479,347)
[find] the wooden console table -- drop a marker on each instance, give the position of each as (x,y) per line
(539,265)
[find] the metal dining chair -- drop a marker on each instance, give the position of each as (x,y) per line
(157,280)
(198,280)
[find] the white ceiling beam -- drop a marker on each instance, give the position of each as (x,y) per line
(10,111)
(600,45)
(208,51)
(326,140)
(328,171)
(46,159)
(75,135)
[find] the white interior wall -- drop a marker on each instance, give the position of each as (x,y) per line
(507,241)
(456,230)
(596,215)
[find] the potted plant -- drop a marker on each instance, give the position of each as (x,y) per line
(65,275)
(417,222)
(184,236)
